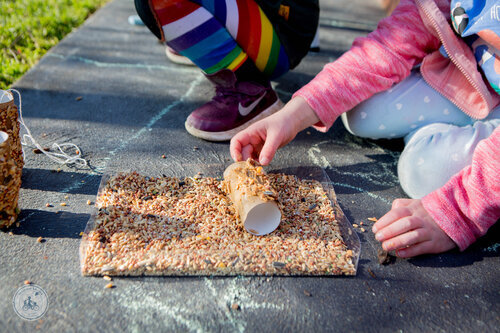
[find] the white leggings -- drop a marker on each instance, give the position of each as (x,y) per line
(440,139)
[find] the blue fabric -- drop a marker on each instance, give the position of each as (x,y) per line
(478,22)
(439,138)
(405,107)
(211,50)
(196,35)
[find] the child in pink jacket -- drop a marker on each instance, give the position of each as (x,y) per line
(414,77)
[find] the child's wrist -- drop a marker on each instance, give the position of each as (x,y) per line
(302,115)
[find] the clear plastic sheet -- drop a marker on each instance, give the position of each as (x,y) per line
(216,171)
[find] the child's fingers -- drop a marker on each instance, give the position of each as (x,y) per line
(237,143)
(246,152)
(390,217)
(398,227)
(269,149)
(406,239)
(401,203)
(415,250)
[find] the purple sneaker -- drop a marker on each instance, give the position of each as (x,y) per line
(235,106)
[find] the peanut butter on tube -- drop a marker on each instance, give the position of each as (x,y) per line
(253,197)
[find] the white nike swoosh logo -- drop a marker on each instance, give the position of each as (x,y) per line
(245,110)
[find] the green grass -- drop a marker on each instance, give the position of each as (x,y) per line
(29,28)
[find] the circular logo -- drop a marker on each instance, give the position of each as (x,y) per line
(30,302)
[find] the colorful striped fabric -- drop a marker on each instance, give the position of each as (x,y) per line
(218,34)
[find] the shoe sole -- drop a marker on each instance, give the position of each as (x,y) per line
(227,135)
(178,59)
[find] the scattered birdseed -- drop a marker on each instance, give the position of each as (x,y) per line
(89,202)
(109,285)
(27,282)
(107,278)
(77,152)
(63,204)
(384,258)
(45,257)
(11,233)
(362,229)
(361,223)
(195,148)
(278,264)
(196,231)
(39,239)
(355,225)
(308,133)
(371,273)
(48,205)
(235,306)
(81,233)
(79,98)
(373,219)
(307,293)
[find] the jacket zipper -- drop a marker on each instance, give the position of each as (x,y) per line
(454,61)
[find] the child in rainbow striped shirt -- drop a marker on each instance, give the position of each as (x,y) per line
(240,45)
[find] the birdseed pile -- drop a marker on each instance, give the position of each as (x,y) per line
(171,226)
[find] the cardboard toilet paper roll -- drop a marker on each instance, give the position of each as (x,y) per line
(9,123)
(10,182)
(253,197)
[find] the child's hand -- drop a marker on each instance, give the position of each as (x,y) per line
(261,140)
(410,230)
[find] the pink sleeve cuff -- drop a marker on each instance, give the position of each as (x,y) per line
(448,219)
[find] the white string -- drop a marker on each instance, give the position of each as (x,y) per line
(60,157)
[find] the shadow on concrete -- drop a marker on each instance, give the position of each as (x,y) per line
(63,181)
(37,223)
(487,246)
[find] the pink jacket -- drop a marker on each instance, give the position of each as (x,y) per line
(412,35)
(470,202)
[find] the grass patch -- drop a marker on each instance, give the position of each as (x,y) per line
(29,28)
